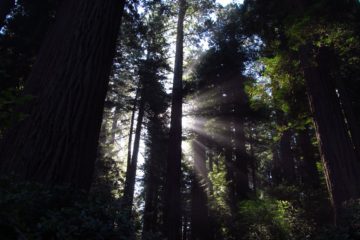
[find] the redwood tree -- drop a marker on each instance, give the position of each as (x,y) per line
(339,156)
(172,211)
(57,141)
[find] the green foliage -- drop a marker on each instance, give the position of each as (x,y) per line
(273,219)
(218,180)
(38,212)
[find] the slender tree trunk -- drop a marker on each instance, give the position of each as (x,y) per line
(210,169)
(132,127)
(172,211)
(241,163)
(341,164)
(57,141)
(185,228)
(130,180)
(253,163)
(5,8)
(229,166)
(114,125)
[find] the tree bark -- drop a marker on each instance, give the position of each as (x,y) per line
(351,119)
(341,164)
(154,176)
(276,166)
(199,210)
(309,173)
(241,163)
(172,211)
(57,141)
(130,180)
(230,175)
(5,8)
(132,127)
(287,163)
(253,163)
(114,125)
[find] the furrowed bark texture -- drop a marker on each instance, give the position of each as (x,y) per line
(57,141)
(172,209)
(340,160)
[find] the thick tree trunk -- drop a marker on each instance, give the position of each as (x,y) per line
(341,164)
(172,211)
(351,119)
(199,210)
(5,8)
(287,163)
(150,220)
(57,141)
(154,176)
(130,180)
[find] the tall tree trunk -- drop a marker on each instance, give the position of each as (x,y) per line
(211,157)
(57,141)
(185,231)
(199,210)
(132,120)
(309,173)
(351,119)
(130,180)
(276,171)
(287,163)
(5,8)
(172,211)
(241,163)
(114,125)
(154,176)
(230,176)
(253,163)
(150,219)
(341,164)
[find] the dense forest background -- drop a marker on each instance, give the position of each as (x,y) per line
(180,120)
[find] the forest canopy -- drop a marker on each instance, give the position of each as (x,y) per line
(180,120)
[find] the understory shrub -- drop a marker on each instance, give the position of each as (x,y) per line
(33,211)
